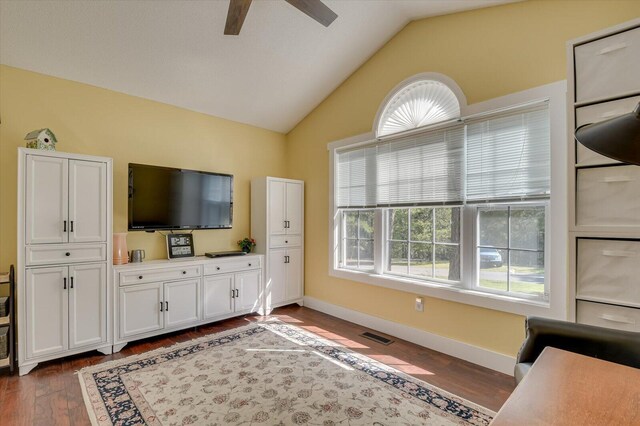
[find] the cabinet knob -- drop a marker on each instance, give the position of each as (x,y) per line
(184,272)
(286,241)
(249,264)
(217,268)
(140,277)
(67,254)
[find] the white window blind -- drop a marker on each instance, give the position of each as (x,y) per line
(356,177)
(421,169)
(508,155)
(419,104)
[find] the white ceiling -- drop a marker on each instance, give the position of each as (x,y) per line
(280,67)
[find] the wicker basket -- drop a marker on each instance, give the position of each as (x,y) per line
(4,306)
(4,342)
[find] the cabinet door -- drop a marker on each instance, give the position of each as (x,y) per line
(275,287)
(87,201)
(218,295)
(294,274)
(47,311)
(247,286)
(87,304)
(276,207)
(294,208)
(46,200)
(140,309)
(181,303)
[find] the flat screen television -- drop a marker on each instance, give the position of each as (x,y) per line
(164,198)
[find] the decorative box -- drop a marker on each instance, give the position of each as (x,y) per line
(4,306)
(4,342)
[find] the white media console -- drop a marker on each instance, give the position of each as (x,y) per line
(161,296)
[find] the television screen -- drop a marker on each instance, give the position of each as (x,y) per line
(166,198)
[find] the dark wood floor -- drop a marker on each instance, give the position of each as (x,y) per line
(51,395)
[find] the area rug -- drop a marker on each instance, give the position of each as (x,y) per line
(265,373)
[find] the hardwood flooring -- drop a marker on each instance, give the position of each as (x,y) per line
(50,394)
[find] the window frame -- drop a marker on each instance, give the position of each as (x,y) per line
(556,224)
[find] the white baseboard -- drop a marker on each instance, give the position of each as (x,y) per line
(465,351)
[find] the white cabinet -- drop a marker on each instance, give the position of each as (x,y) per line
(87,201)
(64,255)
(285,276)
(247,291)
(181,303)
(236,293)
(141,309)
(218,299)
(165,295)
(65,308)
(604,194)
(47,304)
(87,304)
(285,206)
(66,200)
(145,308)
(47,206)
(277,224)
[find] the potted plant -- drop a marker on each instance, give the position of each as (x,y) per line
(247,244)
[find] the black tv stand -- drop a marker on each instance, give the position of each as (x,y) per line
(225,253)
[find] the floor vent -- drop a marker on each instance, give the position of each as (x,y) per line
(377,338)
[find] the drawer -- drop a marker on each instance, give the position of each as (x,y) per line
(610,316)
(608,196)
(222,267)
(286,241)
(608,67)
(608,270)
(155,275)
(594,114)
(52,254)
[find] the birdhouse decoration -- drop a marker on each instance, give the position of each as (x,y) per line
(41,139)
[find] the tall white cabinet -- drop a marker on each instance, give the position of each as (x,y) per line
(64,255)
(277,224)
(604,212)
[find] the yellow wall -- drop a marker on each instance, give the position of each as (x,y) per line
(90,120)
(489,53)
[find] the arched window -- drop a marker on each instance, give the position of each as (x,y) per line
(422,100)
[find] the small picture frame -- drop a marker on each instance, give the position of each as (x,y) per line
(180,245)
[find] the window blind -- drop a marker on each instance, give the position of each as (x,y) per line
(356,178)
(508,155)
(421,169)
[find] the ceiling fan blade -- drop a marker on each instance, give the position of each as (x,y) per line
(315,9)
(235,16)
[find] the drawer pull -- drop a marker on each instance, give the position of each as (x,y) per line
(249,264)
(617,318)
(286,241)
(67,254)
(217,268)
(612,48)
(617,179)
(184,272)
(140,277)
(619,253)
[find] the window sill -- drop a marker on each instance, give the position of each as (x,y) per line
(492,301)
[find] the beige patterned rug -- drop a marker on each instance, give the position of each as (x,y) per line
(268,373)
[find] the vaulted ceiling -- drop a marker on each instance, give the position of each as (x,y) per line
(280,67)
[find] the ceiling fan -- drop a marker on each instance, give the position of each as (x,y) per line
(313,8)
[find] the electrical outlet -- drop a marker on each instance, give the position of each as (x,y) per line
(419,304)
